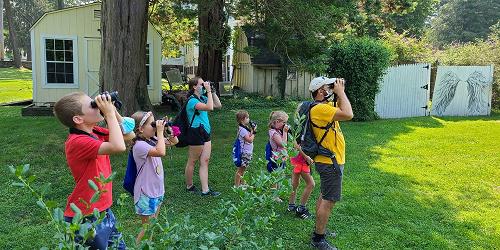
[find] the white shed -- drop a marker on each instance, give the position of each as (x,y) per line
(66,46)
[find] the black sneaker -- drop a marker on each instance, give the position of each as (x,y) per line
(291,208)
(323,245)
(328,233)
(302,213)
(192,189)
(210,193)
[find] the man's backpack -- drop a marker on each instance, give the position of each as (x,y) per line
(308,143)
(130,174)
(181,121)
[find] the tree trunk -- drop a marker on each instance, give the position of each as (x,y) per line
(282,76)
(12,34)
(2,43)
(211,22)
(28,54)
(60,4)
(123,52)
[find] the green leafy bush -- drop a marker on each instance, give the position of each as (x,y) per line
(405,49)
(237,224)
(362,62)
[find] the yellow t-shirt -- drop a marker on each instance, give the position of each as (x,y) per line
(321,115)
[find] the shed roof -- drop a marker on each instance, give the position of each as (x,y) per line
(77,7)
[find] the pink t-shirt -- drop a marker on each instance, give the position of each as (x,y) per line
(274,145)
(150,172)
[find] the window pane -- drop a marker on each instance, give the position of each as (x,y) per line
(68,67)
(59,67)
(60,78)
(59,44)
(49,55)
(49,44)
(51,67)
(69,78)
(68,45)
(60,56)
(51,78)
(68,56)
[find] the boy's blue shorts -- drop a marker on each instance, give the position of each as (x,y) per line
(271,166)
(148,206)
(106,233)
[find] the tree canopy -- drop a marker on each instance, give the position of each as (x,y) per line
(461,21)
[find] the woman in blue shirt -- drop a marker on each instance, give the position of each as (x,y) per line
(201,99)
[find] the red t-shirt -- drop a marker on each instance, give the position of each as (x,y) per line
(85,164)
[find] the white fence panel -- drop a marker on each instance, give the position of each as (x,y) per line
(404,91)
(463,91)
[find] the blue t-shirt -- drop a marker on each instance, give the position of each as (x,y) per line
(202,118)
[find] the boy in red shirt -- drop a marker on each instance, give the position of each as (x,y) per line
(87,152)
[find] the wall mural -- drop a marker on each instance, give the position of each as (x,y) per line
(463,90)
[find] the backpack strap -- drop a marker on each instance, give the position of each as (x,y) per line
(196,112)
(326,128)
(81,132)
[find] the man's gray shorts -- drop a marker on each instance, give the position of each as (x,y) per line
(330,180)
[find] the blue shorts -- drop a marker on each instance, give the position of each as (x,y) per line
(106,233)
(147,206)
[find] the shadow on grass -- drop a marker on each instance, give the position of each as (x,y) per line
(15,74)
(381,209)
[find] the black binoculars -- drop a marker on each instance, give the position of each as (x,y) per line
(167,124)
(212,87)
(114,99)
(253,125)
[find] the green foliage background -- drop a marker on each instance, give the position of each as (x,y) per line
(362,62)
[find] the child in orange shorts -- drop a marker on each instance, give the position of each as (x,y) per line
(301,168)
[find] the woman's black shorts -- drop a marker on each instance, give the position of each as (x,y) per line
(197,136)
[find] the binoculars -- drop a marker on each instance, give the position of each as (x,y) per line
(114,99)
(167,124)
(212,87)
(253,125)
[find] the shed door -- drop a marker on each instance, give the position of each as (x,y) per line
(404,91)
(92,62)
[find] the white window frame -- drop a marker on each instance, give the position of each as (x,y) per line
(151,82)
(43,68)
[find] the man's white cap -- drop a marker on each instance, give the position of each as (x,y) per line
(318,82)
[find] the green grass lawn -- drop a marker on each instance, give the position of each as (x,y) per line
(427,182)
(15,85)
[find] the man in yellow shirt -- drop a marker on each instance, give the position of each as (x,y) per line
(330,169)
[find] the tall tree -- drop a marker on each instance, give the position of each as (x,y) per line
(213,39)
(403,16)
(214,34)
(60,4)
(12,33)
(124,27)
(463,21)
(2,43)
